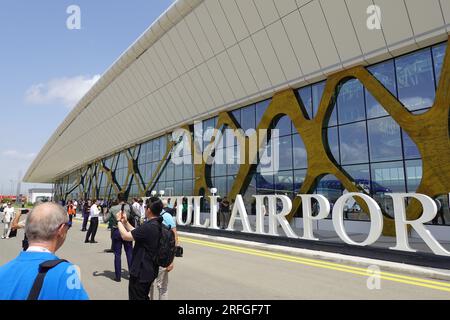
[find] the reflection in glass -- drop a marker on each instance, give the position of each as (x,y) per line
(413,174)
(284,126)
(178,172)
(384,140)
(353,140)
(156,155)
(409,147)
(220,183)
(299,178)
(248,118)
(261,108)
(333,143)
(385,73)
(306,99)
(284,182)
(387,178)
(264,183)
(317,92)
(438,57)
(416,88)
(330,187)
(360,175)
(188,188)
(299,152)
(350,102)
(285,152)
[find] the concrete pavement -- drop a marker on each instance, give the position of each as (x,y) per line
(212,270)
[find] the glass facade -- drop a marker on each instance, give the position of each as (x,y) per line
(363,140)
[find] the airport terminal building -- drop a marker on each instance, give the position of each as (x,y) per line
(358,108)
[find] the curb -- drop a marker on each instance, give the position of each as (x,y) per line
(431,273)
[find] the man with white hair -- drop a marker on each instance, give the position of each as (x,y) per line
(38,274)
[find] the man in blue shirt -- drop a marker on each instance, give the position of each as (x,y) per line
(46,229)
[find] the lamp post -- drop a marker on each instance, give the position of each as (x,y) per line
(213,191)
(153,193)
(161,193)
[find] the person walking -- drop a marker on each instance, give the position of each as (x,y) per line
(144,268)
(25,277)
(8,217)
(86,210)
(71,212)
(93,226)
(162,281)
(117,241)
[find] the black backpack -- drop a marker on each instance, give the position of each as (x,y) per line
(167,246)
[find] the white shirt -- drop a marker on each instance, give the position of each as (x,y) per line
(8,214)
(142,211)
(38,249)
(94,211)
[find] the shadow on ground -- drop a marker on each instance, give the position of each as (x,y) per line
(111,275)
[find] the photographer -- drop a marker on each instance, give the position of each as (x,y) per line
(162,281)
(117,241)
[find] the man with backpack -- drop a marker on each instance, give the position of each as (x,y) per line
(154,247)
(162,281)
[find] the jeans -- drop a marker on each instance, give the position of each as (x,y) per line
(162,283)
(117,243)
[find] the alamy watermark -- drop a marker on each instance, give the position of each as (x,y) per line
(374,19)
(73,21)
(74,279)
(374,279)
(228,147)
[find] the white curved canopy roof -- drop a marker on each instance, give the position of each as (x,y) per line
(204,56)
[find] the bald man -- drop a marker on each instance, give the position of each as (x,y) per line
(38,274)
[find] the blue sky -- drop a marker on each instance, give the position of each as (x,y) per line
(45,67)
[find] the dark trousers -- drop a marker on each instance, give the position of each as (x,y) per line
(117,243)
(93,226)
(85,221)
(138,290)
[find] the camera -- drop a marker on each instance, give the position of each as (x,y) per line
(178,251)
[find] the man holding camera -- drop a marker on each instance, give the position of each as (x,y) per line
(117,241)
(144,268)
(162,281)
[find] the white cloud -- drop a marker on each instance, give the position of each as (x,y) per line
(67,91)
(14,154)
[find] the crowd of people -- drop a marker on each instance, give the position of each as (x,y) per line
(136,227)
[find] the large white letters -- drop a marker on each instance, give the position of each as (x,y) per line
(429,212)
(239,209)
(376,224)
(280,217)
(324,211)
